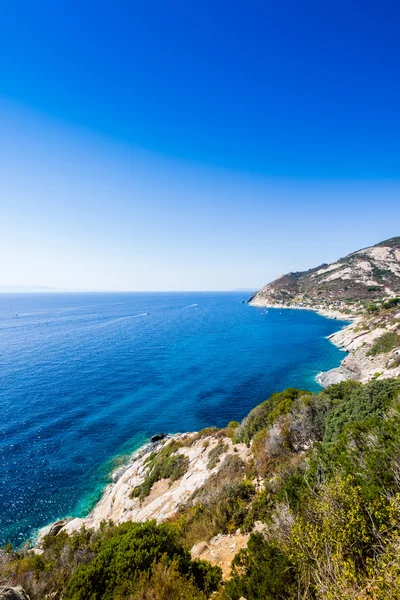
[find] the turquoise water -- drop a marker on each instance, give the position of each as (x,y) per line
(88,377)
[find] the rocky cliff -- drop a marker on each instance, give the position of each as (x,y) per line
(205,456)
(373,344)
(166,495)
(362,276)
(363,287)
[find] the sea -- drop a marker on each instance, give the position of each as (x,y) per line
(86,378)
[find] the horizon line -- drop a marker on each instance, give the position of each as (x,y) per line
(78,291)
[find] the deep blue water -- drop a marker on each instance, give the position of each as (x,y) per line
(88,377)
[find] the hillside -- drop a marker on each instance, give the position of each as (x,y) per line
(363,287)
(300,500)
(362,276)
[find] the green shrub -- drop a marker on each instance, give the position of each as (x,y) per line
(266,413)
(371,307)
(261,572)
(130,552)
(165,582)
(165,464)
(391,303)
(332,527)
(352,401)
(381,274)
(230,429)
(219,506)
(215,453)
(384,343)
(112,562)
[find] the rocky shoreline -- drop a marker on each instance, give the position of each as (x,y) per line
(330,313)
(164,500)
(357,339)
(360,365)
(118,503)
(362,287)
(166,497)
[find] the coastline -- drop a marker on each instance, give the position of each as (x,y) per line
(360,364)
(114,502)
(337,374)
(117,502)
(357,339)
(164,500)
(330,313)
(113,407)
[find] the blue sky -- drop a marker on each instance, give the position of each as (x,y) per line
(182,145)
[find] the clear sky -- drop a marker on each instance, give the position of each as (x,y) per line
(194,145)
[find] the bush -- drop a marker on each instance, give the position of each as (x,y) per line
(352,401)
(391,303)
(219,506)
(112,562)
(261,572)
(266,413)
(332,527)
(230,429)
(165,582)
(122,559)
(165,464)
(385,343)
(215,454)
(371,307)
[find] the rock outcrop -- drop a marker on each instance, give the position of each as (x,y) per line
(13,593)
(119,504)
(358,339)
(52,529)
(221,550)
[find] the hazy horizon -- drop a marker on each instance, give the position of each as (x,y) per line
(22,289)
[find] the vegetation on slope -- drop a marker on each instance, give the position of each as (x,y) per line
(215,454)
(332,525)
(323,486)
(361,277)
(385,343)
(220,506)
(166,464)
(116,562)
